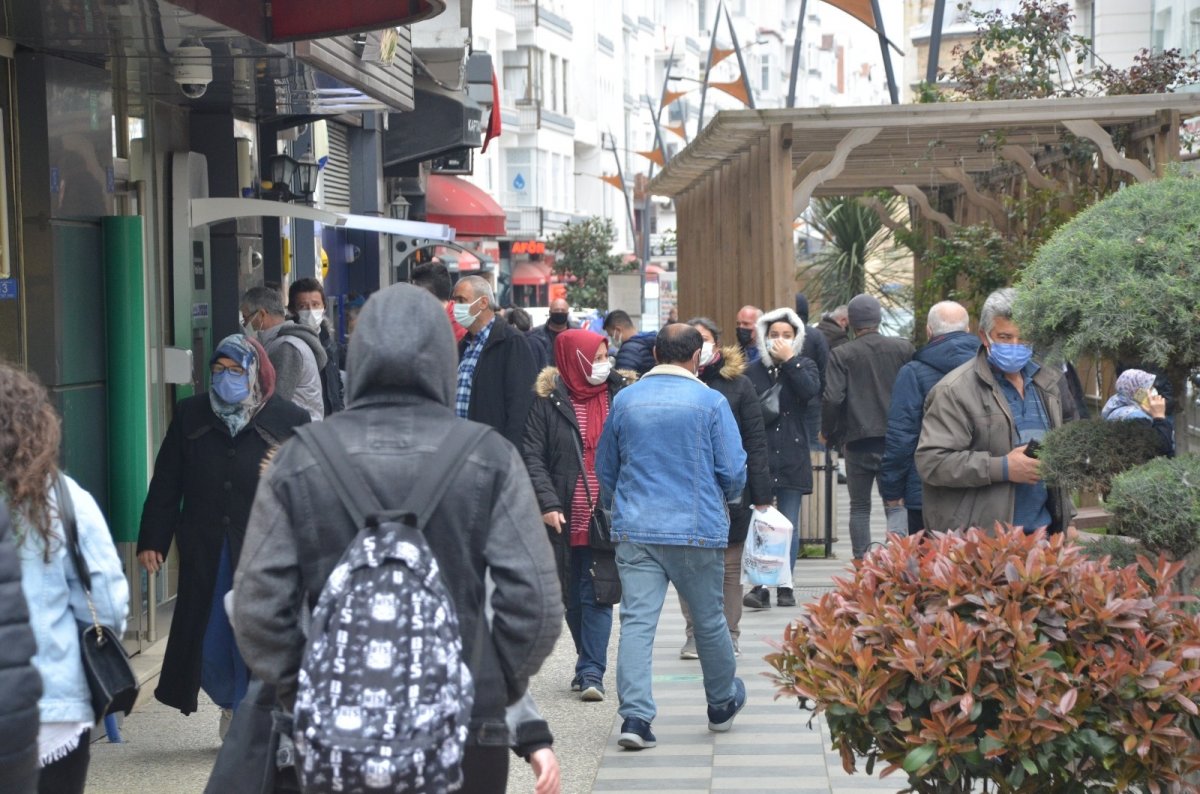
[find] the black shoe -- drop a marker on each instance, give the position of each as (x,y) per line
(757,598)
(784,597)
(841,478)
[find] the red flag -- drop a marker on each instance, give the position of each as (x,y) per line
(493,127)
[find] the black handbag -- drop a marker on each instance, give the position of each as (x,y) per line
(769,402)
(599,524)
(113,685)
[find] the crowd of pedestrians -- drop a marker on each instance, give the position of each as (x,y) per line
(641,455)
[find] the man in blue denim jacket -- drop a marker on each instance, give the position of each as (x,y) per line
(668,461)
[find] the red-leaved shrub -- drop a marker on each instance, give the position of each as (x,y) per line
(1003,660)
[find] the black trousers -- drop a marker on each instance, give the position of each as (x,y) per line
(68,774)
(485,770)
(916,521)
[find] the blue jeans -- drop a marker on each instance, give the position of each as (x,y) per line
(788,501)
(590,623)
(698,575)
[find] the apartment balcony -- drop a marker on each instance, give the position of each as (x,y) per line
(535,222)
(533,116)
(534,14)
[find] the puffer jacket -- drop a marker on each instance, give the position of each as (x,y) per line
(401,394)
(637,353)
(787,438)
(297,373)
(729,378)
(967,432)
(551,450)
(898,478)
(56,602)
(20,684)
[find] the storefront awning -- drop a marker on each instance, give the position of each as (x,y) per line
(458,203)
(274,21)
(530,274)
(441,124)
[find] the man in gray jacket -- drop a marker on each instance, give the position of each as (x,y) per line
(295,350)
(978,423)
(399,409)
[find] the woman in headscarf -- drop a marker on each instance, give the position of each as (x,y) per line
(561,435)
(204,481)
(32,485)
(1136,400)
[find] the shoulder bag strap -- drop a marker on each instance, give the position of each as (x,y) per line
(66,514)
(359,500)
(587,488)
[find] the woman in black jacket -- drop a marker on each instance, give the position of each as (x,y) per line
(204,481)
(561,435)
(723,369)
(780,340)
(19,719)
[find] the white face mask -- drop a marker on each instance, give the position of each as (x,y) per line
(311,317)
(708,352)
(462,313)
(600,372)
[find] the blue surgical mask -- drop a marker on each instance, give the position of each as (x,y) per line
(230,387)
(1008,357)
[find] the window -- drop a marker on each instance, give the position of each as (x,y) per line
(565,88)
(1193,32)
(516,75)
(766,73)
(554,82)
(518,177)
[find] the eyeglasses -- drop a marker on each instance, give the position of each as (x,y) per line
(217,369)
(247,320)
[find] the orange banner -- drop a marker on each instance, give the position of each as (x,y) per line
(655,156)
(735,88)
(719,55)
(671,96)
(678,129)
(613,180)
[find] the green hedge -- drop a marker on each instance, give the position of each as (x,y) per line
(1159,504)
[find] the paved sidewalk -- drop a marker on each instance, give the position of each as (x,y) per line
(771,746)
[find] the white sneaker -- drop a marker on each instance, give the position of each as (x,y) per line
(737,650)
(688,651)
(223,725)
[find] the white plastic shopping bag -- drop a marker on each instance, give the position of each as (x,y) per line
(767,555)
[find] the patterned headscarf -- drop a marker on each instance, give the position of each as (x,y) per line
(1132,386)
(251,356)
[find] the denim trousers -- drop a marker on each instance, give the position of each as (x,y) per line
(862,474)
(590,623)
(733,594)
(788,501)
(697,573)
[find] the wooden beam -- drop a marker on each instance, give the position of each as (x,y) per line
(917,195)
(1021,156)
(885,217)
(989,204)
(814,162)
(1090,130)
(853,139)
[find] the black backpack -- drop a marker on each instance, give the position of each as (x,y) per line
(385,695)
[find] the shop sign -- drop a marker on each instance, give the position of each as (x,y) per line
(529,247)
(8,289)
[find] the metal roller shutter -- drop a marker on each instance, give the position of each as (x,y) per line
(337,170)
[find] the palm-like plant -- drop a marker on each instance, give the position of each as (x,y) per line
(854,236)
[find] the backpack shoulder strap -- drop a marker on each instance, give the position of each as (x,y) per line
(428,491)
(358,499)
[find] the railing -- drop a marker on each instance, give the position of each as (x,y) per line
(532,13)
(523,221)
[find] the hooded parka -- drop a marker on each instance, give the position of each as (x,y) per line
(787,438)
(400,406)
(729,379)
(200,496)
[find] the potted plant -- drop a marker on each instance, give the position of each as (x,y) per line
(1002,661)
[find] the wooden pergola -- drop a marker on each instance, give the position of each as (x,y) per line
(740,186)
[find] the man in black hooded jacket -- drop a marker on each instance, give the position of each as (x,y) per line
(399,410)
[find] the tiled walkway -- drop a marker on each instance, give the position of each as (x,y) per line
(771,746)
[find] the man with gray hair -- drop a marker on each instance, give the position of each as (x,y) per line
(495,368)
(950,346)
(972,454)
(295,350)
(834,324)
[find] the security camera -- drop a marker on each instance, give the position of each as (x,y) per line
(191,66)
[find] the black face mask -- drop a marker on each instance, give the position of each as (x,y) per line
(745,336)
(559,318)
